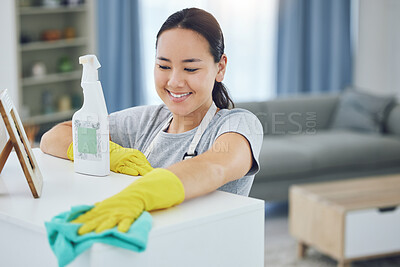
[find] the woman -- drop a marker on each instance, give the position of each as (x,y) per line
(194,140)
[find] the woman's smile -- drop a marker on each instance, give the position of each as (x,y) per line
(178,97)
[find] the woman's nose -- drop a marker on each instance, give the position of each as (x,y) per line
(176,80)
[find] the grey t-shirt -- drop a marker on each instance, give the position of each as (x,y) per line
(136,127)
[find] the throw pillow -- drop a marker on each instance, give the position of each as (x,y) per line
(361,111)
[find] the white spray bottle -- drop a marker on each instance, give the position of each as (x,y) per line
(90,129)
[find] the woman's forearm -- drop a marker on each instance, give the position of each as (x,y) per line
(212,169)
(56,141)
(198,177)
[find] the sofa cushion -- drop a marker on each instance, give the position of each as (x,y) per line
(293,115)
(361,111)
(300,114)
(332,151)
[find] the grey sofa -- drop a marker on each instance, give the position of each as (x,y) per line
(301,146)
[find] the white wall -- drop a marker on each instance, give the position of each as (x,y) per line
(377,62)
(8,52)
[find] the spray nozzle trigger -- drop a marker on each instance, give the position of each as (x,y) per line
(90,66)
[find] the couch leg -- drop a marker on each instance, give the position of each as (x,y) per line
(301,250)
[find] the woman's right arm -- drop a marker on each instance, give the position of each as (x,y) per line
(57,140)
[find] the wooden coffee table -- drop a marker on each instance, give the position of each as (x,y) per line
(347,220)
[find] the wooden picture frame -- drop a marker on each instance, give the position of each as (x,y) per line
(12,134)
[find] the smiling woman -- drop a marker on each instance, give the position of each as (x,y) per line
(196,142)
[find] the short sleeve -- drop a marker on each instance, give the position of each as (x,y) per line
(248,125)
(133,127)
(119,122)
(125,125)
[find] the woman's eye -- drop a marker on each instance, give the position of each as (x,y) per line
(190,70)
(163,67)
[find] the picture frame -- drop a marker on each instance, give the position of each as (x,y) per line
(12,135)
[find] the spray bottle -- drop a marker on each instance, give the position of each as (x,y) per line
(90,129)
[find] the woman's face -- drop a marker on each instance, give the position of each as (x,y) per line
(185,71)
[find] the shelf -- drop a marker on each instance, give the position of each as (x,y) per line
(32,21)
(52,78)
(63,43)
(48,118)
(41,10)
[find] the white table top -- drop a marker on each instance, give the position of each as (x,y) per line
(63,188)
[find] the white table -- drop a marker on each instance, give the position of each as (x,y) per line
(219,229)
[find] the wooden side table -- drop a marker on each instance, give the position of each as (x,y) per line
(347,220)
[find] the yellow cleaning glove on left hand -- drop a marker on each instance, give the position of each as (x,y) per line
(158,189)
(123,160)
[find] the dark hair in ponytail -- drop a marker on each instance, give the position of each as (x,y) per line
(205,24)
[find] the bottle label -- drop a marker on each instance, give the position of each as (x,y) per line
(88,145)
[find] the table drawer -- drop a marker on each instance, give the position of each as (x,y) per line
(372,232)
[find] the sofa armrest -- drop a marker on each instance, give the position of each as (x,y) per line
(392,125)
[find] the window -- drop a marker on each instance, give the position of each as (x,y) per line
(249,32)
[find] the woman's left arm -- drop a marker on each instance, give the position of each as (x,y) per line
(229,159)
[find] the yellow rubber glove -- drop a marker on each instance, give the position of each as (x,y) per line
(123,160)
(158,189)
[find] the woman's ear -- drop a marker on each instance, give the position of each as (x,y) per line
(221,68)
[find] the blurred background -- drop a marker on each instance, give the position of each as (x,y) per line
(274,48)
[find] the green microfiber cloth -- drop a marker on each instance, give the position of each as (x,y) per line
(67,244)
